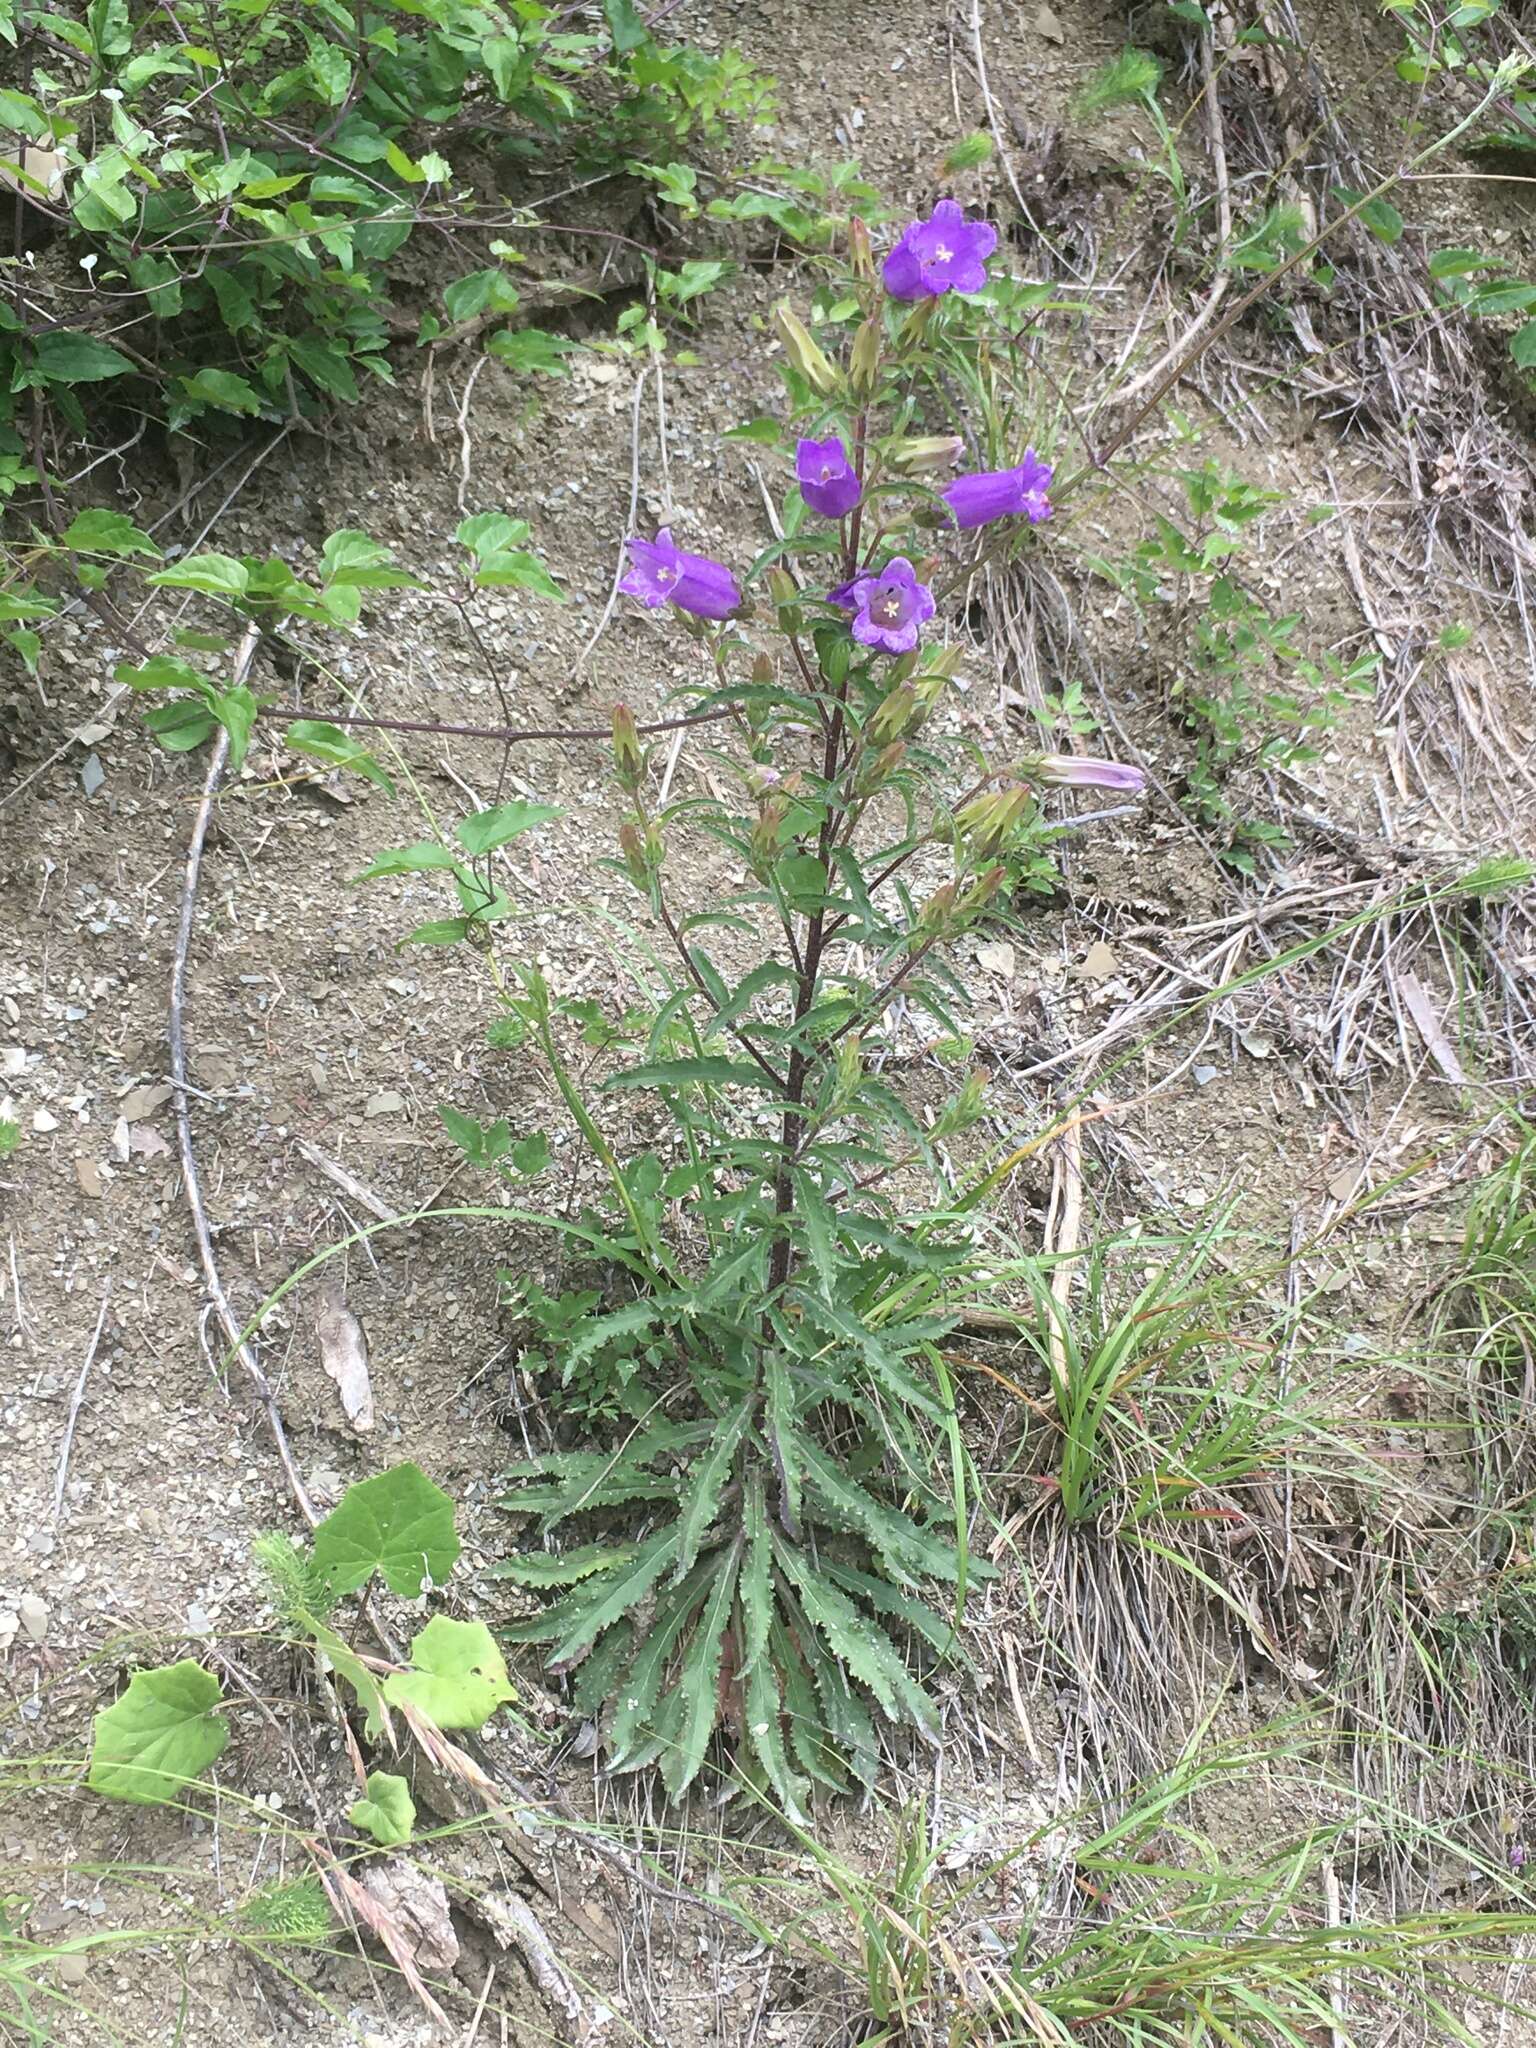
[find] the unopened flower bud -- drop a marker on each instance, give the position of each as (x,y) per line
(1076,771)
(762,670)
(849,1071)
(988,822)
(879,768)
(861,255)
(805,354)
(892,718)
(945,662)
(785,591)
(964,1109)
(982,891)
(768,833)
(926,691)
(936,915)
(642,849)
(628,760)
(864,362)
(927,454)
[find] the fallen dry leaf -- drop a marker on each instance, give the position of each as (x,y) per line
(1099,962)
(996,959)
(344,1354)
(1419,1007)
(146,1142)
(139,1103)
(89,1176)
(1048,24)
(1343,1184)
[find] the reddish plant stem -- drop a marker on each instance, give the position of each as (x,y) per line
(792,1127)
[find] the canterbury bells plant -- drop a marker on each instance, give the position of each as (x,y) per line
(772,1316)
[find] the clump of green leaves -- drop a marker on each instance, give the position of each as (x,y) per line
(295,1912)
(1240,678)
(169,1725)
(237,184)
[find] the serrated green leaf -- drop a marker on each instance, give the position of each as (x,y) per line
(857,1644)
(617,1593)
(683,1073)
(708,1481)
(784,1440)
(319,741)
(937,1630)
(458,1677)
(626,25)
(397,1524)
(765,1734)
(906,1551)
(756,1577)
(562,1568)
(493,828)
(164,1732)
(635,1696)
(596,1331)
(699,1686)
(813,1212)
(388,1813)
(597,1681)
(845,1719)
(809,1736)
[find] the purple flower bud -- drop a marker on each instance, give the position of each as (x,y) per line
(828,482)
(888,608)
(1071,771)
(664,574)
(990,494)
(945,253)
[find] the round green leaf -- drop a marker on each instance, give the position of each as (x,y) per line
(459,1677)
(397,1524)
(162,1733)
(388,1813)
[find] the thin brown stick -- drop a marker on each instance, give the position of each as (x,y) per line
(75,1400)
(1180,349)
(176,1033)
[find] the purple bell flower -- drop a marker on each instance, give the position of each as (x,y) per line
(888,608)
(1073,771)
(945,253)
(989,494)
(828,482)
(665,574)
